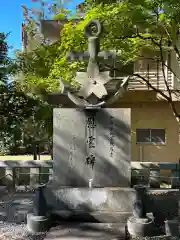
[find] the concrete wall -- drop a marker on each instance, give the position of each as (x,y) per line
(154,115)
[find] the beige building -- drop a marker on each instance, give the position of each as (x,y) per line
(155,131)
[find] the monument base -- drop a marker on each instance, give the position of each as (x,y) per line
(87,231)
(37,224)
(140,227)
(90,204)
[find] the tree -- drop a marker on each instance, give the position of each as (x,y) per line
(24,121)
(35,63)
(32,17)
(129,26)
(19,111)
(7,66)
(34,68)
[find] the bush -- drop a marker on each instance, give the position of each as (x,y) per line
(4,148)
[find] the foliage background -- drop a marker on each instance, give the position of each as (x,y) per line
(128,26)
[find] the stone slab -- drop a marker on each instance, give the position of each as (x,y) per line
(90,200)
(112,148)
(96,217)
(86,231)
(69,147)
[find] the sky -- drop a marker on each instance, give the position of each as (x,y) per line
(11,18)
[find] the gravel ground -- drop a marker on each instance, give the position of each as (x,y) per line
(17,232)
(13,211)
(157,238)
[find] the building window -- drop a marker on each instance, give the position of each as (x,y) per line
(150,136)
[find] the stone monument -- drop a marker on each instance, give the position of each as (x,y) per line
(92,144)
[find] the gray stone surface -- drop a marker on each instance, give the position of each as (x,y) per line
(86,231)
(112,163)
(141,227)
(95,201)
(37,224)
(13,211)
(112,167)
(70,189)
(69,148)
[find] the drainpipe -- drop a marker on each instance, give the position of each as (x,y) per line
(141,157)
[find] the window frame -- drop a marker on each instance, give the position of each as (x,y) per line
(151,142)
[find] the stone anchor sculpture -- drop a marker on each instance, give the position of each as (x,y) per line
(92,92)
(91,95)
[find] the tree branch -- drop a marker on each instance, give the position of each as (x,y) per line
(167,86)
(164,63)
(142,78)
(159,44)
(155,41)
(168,98)
(138,35)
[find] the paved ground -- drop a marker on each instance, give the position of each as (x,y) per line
(13,211)
(87,231)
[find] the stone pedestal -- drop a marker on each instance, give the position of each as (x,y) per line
(139,206)
(95,204)
(154,178)
(175,179)
(10,183)
(139,225)
(36,224)
(78,134)
(38,221)
(81,184)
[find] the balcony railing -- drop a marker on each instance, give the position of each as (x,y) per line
(30,173)
(153,73)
